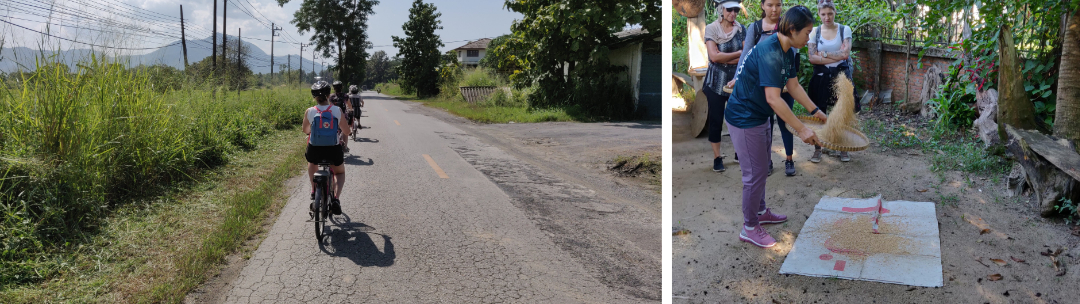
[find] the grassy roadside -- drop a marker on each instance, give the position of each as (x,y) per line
(159,250)
(483,112)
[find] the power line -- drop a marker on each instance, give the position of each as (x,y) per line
(90,44)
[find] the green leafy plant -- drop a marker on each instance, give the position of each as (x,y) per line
(952,108)
(1068,208)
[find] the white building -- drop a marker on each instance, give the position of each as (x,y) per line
(469,55)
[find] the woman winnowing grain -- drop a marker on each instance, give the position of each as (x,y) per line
(768,67)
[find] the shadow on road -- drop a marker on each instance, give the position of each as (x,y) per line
(366,140)
(639,125)
(357,161)
(354,241)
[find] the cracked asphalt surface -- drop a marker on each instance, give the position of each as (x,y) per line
(499,229)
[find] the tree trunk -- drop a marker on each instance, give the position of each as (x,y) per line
(1066,121)
(1014,108)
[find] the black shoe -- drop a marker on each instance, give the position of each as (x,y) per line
(311,207)
(789,167)
(736,158)
(770,167)
(335,206)
(718,164)
(312,195)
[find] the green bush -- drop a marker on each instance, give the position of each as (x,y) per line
(75,145)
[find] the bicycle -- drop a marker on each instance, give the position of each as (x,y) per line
(324,189)
(355,116)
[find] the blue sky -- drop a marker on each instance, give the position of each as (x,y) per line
(461,20)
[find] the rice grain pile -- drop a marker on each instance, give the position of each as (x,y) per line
(852,237)
(842,116)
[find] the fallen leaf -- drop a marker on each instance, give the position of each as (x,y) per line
(681,232)
(922,190)
(910,289)
(994,277)
(979,259)
(1076,230)
(1017,260)
(984,231)
(775,301)
(1000,262)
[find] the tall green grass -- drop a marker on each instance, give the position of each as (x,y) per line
(75,145)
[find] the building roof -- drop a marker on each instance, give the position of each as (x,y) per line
(631,35)
(481,44)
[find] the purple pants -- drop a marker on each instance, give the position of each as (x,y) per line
(753,147)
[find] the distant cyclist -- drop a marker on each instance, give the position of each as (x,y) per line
(325,124)
(340,99)
(357,102)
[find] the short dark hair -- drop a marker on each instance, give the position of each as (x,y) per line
(795,19)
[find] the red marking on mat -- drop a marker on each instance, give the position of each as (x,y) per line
(825,257)
(839,266)
(867,209)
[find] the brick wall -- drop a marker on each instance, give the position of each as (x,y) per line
(892,68)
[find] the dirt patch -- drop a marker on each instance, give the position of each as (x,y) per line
(711,264)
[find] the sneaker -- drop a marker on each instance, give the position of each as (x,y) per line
(771,218)
(770,167)
(345,149)
(789,167)
(736,158)
(335,207)
(844,157)
(311,207)
(758,237)
(718,164)
(312,194)
(817,156)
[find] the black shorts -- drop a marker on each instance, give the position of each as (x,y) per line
(332,154)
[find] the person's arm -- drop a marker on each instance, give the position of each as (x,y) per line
(748,44)
(772,95)
(307,124)
(844,53)
(719,57)
(815,56)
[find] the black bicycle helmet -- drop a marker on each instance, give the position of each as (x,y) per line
(337,85)
(353,89)
(320,88)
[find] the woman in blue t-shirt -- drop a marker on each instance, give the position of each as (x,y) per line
(771,65)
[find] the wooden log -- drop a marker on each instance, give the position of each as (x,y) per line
(1051,168)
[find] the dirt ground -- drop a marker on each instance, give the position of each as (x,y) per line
(711,264)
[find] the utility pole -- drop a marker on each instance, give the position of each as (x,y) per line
(290,64)
(239,61)
(301,63)
(313,62)
(273,33)
(224,28)
(213,37)
(183,36)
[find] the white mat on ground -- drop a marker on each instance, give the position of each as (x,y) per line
(836,241)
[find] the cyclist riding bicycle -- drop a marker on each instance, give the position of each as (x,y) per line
(340,99)
(357,102)
(325,124)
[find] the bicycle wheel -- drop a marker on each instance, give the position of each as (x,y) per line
(320,197)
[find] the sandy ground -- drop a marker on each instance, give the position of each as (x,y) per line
(712,265)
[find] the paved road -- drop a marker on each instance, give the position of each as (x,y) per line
(433,214)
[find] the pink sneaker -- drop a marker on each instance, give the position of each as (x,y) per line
(758,237)
(771,218)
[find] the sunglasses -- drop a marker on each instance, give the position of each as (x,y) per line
(733,9)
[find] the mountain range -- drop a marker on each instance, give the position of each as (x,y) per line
(172,55)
